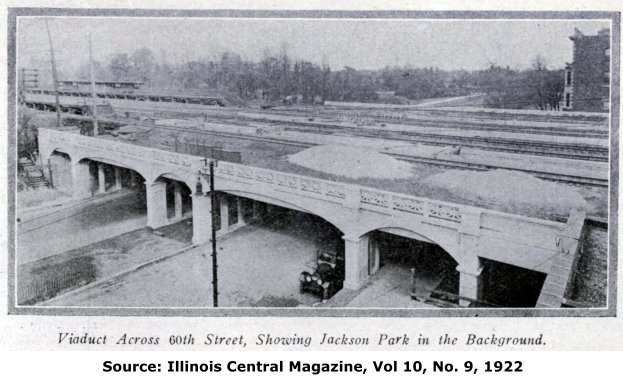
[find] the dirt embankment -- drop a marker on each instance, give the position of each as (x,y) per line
(352,162)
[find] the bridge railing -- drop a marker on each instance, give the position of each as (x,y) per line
(466,218)
(350,195)
(61,138)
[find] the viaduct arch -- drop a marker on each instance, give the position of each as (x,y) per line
(466,233)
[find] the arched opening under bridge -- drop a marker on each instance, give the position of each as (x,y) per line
(263,247)
(406,269)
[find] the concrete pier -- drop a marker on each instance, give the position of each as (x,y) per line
(101,178)
(202,218)
(356,261)
(156,204)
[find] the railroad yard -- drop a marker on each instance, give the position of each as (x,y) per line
(568,149)
(542,165)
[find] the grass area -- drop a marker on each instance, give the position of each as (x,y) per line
(43,279)
(46,281)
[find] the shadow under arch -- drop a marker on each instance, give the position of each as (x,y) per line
(50,152)
(186,179)
(60,152)
(121,164)
(283,203)
(447,244)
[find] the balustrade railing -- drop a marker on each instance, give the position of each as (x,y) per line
(347,194)
(335,191)
(129,150)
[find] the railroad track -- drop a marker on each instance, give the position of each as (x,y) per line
(584,129)
(578,152)
(556,177)
(416,123)
(486,115)
(587,131)
(548,149)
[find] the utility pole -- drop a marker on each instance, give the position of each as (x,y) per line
(22,86)
(94,111)
(214,261)
(59,122)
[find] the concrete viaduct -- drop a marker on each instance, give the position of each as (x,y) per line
(466,233)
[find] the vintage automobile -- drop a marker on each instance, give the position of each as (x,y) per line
(327,279)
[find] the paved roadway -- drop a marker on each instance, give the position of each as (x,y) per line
(259,266)
(83,224)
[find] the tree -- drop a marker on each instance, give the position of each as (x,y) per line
(277,76)
(195,74)
(120,66)
(547,86)
(326,75)
(555,87)
(101,73)
(284,69)
(143,65)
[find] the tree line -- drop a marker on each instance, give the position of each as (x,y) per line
(279,78)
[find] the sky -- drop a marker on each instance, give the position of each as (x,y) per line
(362,44)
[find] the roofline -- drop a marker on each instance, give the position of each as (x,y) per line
(98,82)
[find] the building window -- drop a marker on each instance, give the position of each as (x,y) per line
(567,99)
(608,52)
(568,78)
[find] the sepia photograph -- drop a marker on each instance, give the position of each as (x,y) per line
(313,163)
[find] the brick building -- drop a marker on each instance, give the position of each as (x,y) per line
(587,79)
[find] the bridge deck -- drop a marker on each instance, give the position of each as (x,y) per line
(267,154)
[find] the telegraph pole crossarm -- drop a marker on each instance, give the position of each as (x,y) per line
(94,111)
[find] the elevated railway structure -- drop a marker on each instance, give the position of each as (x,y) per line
(474,237)
(525,120)
(565,140)
(138,96)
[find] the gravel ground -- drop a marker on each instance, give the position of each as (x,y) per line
(353,162)
(512,188)
(590,285)
(597,199)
